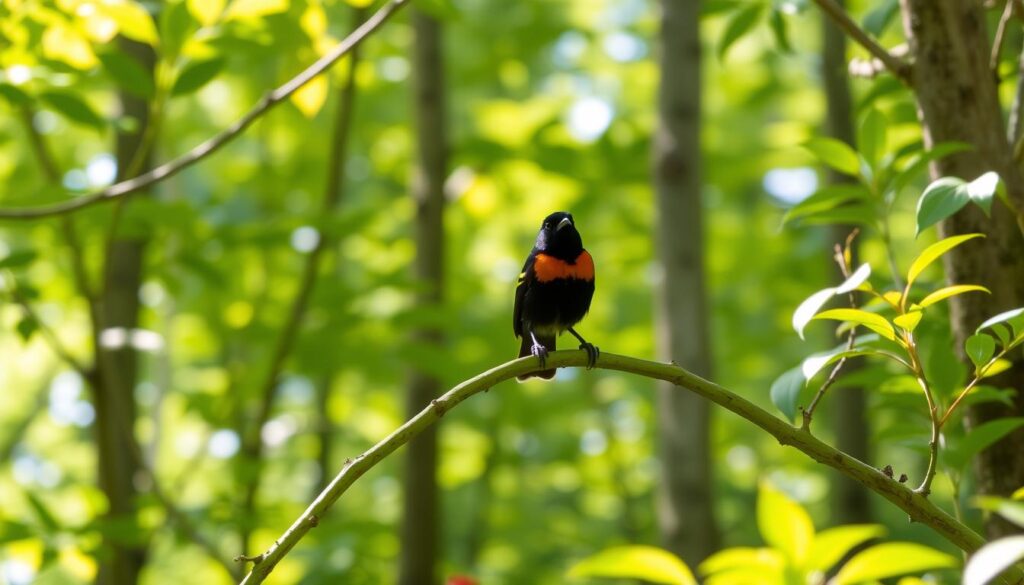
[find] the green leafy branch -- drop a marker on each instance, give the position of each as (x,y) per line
(898,333)
(915,504)
(215,143)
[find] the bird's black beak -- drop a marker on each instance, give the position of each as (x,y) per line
(566,221)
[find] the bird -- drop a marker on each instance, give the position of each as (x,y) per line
(553,292)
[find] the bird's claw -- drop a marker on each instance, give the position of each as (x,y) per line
(541,352)
(592,353)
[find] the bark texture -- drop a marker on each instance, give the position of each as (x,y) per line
(685,506)
(957,100)
(421,527)
(117,367)
(850,500)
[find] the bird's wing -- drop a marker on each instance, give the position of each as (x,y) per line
(525,278)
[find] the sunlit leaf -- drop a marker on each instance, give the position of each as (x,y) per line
(64,43)
(206,12)
(635,562)
(992,559)
(810,307)
(856,279)
(950,291)
(739,24)
(892,560)
(132,21)
(834,153)
(310,97)
(983,189)
(175,24)
(255,8)
(933,252)
(980,348)
(1003,318)
(784,524)
(908,321)
(831,545)
(872,321)
(998,367)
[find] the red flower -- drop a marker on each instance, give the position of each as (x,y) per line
(461,580)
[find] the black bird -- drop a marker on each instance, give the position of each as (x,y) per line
(554,292)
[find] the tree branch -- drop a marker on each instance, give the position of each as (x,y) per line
(919,508)
(201,151)
(899,68)
(997,42)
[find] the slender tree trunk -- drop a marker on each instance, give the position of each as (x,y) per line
(957,100)
(850,499)
(685,503)
(114,385)
(421,530)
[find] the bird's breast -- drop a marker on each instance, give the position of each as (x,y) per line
(548,268)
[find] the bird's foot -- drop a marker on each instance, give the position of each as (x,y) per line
(592,353)
(541,352)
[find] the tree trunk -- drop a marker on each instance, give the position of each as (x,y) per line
(957,100)
(116,445)
(850,499)
(421,531)
(685,504)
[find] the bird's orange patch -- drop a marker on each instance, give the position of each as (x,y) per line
(549,268)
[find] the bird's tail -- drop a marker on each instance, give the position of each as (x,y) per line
(547,341)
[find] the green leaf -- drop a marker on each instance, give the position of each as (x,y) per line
(764,560)
(784,524)
(871,138)
(1012,510)
(175,26)
(206,12)
(779,30)
(42,513)
(892,560)
(934,252)
(14,96)
(834,153)
(133,21)
(980,348)
(1002,332)
(18,258)
(825,199)
(876,21)
(978,439)
(856,214)
(443,10)
(785,391)
(908,321)
(941,199)
(128,73)
(740,23)
(992,559)
(920,162)
(250,9)
(872,321)
(27,327)
(635,562)
(195,75)
(1003,318)
(982,190)
(950,291)
(831,545)
(73,108)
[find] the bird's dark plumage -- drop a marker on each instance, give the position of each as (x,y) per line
(554,291)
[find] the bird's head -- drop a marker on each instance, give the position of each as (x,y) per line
(558,237)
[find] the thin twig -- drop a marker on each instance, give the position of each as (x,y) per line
(201,151)
(851,340)
(997,42)
(919,508)
(899,68)
(333,188)
(52,174)
(1014,123)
